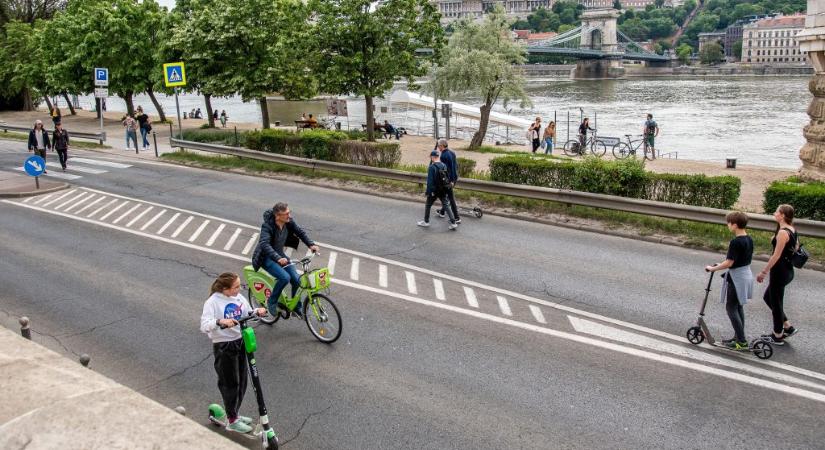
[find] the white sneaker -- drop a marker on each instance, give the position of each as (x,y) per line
(453,226)
(422,223)
(440,214)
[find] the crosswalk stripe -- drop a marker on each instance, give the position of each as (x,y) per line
(43,199)
(182,226)
(85,199)
(96,162)
(143,213)
(59,198)
(71,200)
(439,289)
(249,244)
(152,220)
(382,275)
(65,176)
(28,199)
(116,209)
(94,213)
(504,306)
(85,170)
(411,287)
(333,256)
(353,270)
(215,235)
(99,199)
(471,297)
(232,239)
(537,314)
(169,222)
(130,211)
(198,231)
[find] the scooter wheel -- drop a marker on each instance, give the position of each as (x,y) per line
(762,349)
(695,336)
(478,212)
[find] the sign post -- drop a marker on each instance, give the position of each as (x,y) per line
(101,81)
(174,75)
(35,166)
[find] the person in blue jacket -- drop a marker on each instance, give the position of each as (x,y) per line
(449,159)
(438,183)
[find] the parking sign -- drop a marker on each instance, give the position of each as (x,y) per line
(101,76)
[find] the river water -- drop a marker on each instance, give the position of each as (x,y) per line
(757,120)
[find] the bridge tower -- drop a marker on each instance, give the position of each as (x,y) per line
(599,33)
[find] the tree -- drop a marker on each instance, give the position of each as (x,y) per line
(20,67)
(683,52)
(28,11)
(711,53)
(737,49)
(363,46)
(482,59)
(660,3)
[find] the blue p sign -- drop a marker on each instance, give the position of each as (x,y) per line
(101,76)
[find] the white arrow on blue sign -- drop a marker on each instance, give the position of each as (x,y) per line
(35,165)
(101,76)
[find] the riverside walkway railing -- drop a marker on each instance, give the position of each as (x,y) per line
(660,209)
(99,136)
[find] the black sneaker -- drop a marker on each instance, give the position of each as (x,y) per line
(458,220)
(440,214)
(298,311)
(788,332)
(770,338)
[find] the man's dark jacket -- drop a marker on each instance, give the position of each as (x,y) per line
(265,249)
(449,160)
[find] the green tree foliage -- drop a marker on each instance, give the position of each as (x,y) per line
(482,59)
(617,4)
(711,53)
(21,64)
(363,46)
(544,20)
(737,49)
(28,11)
(683,52)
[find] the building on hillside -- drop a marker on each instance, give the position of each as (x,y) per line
(733,34)
(773,40)
(626,4)
(713,36)
(472,9)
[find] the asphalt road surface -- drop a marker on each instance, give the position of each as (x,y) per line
(503,334)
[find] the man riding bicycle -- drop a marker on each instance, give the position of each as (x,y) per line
(585,125)
(650,131)
(277,232)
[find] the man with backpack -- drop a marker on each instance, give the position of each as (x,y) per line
(449,160)
(438,185)
(650,131)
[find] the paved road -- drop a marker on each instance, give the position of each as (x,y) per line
(503,334)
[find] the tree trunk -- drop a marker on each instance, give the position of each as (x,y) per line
(158,107)
(264,113)
(130,102)
(28,104)
(207,99)
(370,119)
(69,103)
(48,103)
(478,137)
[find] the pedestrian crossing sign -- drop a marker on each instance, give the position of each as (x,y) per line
(174,74)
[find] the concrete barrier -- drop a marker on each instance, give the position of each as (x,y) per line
(52,402)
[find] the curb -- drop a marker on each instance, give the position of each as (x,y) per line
(31,193)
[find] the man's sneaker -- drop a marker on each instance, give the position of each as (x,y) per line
(453,226)
(298,312)
(457,220)
(440,213)
(788,332)
(738,346)
(239,426)
(246,420)
(422,223)
(770,338)
(727,342)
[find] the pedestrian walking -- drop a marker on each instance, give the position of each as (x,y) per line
(224,118)
(145,127)
(198,114)
(39,140)
(215,115)
(219,320)
(60,144)
(438,183)
(780,270)
(737,287)
(131,130)
(549,137)
(448,158)
(650,131)
(535,132)
(57,117)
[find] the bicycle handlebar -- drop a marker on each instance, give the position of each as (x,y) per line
(305,260)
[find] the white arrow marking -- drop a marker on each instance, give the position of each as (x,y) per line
(36,166)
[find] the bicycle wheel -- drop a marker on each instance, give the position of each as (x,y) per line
(322,318)
(598,148)
(268,319)
(571,148)
(621,150)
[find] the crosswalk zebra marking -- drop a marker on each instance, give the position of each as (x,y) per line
(470,294)
(382,275)
(99,199)
(85,199)
(59,198)
(249,244)
(96,162)
(353,270)
(71,200)
(504,306)
(232,239)
(152,220)
(182,226)
(139,216)
(116,209)
(198,231)
(439,289)
(537,314)
(169,222)
(215,235)
(411,287)
(130,211)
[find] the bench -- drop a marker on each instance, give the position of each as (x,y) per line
(304,124)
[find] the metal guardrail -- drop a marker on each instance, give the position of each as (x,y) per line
(99,136)
(660,209)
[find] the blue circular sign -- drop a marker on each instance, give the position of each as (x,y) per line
(35,165)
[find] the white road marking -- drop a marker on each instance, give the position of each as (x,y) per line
(130,211)
(85,199)
(198,231)
(63,175)
(102,197)
(94,213)
(411,287)
(43,199)
(439,289)
(382,275)
(116,208)
(232,239)
(471,297)
(182,226)
(28,199)
(139,216)
(73,199)
(152,220)
(504,306)
(96,162)
(537,314)
(86,169)
(168,222)
(333,256)
(249,244)
(353,270)
(46,205)
(215,235)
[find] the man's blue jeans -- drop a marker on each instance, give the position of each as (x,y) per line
(283,275)
(144,133)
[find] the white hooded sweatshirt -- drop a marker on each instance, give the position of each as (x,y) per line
(219,306)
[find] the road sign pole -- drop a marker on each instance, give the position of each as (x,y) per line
(177,105)
(37,183)
(100,110)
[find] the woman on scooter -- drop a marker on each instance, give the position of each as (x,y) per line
(737,287)
(780,269)
(219,321)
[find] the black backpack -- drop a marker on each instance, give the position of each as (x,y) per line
(442,178)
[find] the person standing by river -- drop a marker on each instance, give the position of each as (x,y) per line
(650,131)
(534,133)
(549,137)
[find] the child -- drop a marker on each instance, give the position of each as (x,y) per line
(737,286)
(224,306)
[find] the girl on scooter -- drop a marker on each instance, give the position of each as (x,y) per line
(785,242)
(737,286)
(219,321)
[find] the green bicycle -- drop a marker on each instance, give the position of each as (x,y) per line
(319,311)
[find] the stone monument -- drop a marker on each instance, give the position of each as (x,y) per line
(812,41)
(599,33)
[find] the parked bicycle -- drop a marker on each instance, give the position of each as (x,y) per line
(624,149)
(574,148)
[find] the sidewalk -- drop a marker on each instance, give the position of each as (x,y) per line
(22,185)
(52,402)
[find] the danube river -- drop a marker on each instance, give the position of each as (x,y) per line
(755,119)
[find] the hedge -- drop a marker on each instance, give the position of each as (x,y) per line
(466,167)
(211,135)
(324,145)
(623,178)
(807,199)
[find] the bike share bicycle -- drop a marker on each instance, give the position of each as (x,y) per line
(574,147)
(319,311)
(624,149)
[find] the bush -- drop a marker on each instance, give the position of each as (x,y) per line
(622,178)
(807,199)
(372,154)
(211,135)
(325,145)
(466,167)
